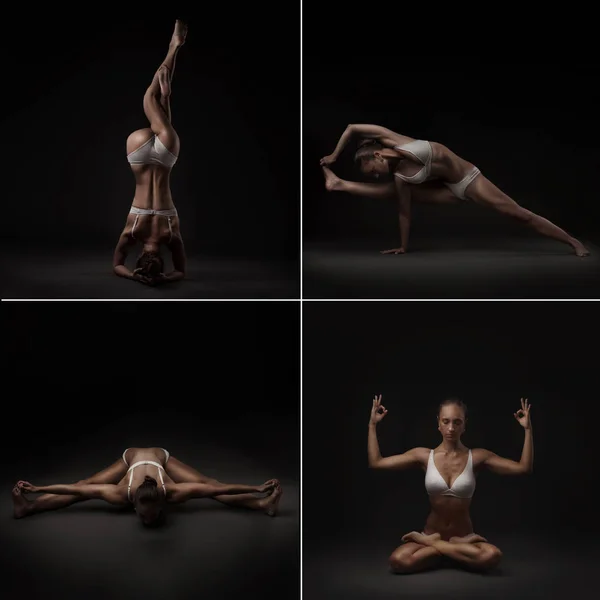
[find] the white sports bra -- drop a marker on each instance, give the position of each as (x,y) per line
(463,486)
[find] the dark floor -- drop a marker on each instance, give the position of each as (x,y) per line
(205,549)
(513,268)
(89,276)
(532,567)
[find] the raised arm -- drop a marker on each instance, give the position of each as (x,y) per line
(101,491)
(411,458)
(182,492)
(385,136)
(505,466)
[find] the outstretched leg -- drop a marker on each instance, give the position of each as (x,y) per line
(472,551)
(484,191)
(433,192)
(24,507)
(157,97)
(179,472)
(412,558)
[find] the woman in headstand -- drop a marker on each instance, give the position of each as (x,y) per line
(415,163)
(152,152)
(450,471)
(147,479)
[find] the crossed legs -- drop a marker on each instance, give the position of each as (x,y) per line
(422,552)
(179,472)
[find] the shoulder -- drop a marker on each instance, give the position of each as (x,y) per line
(421,454)
(480,455)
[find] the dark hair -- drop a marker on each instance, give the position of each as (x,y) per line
(366,150)
(456,402)
(147,492)
(150,263)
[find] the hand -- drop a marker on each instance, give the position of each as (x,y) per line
(25,486)
(378,411)
(268,486)
(137,276)
(394,251)
(522,415)
(328,160)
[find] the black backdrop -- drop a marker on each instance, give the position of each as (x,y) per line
(73,90)
(415,354)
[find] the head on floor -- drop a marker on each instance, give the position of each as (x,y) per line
(149,503)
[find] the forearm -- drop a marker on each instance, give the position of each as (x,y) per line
(527,454)
(174,276)
(343,141)
(373,446)
(123,271)
(404,206)
(60,488)
(232,488)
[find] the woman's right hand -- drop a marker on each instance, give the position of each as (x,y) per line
(378,411)
(137,276)
(268,486)
(25,486)
(327,160)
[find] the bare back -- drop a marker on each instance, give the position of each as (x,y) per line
(134,455)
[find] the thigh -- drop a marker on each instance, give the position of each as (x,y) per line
(179,472)
(483,191)
(433,192)
(112,474)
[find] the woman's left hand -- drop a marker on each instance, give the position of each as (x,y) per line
(327,160)
(25,486)
(522,415)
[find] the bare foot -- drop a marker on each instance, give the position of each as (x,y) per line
(421,538)
(472,538)
(580,249)
(332,181)
(271,502)
(22,506)
(179,34)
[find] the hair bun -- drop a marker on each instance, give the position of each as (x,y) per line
(149,479)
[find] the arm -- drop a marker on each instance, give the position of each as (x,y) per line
(411,458)
(120,255)
(404,205)
(383,135)
(182,492)
(108,492)
(179,261)
(505,466)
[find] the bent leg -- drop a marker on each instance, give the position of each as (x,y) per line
(412,558)
(180,472)
(478,556)
(24,507)
(482,190)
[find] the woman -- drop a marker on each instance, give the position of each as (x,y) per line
(450,471)
(415,162)
(147,479)
(152,152)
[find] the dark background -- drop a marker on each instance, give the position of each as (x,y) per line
(217,384)
(73,93)
(526,116)
(415,355)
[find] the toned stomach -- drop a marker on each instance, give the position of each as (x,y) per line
(152,187)
(449,517)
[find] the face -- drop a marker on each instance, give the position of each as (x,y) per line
(451,422)
(375,168)
(148,512)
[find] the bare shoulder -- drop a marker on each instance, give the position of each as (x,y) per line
(421,454)
(480,455)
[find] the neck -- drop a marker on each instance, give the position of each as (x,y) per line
(451,445)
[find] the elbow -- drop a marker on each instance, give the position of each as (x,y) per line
(374,464)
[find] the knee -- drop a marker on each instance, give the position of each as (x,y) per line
(401,562)
(518,213)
